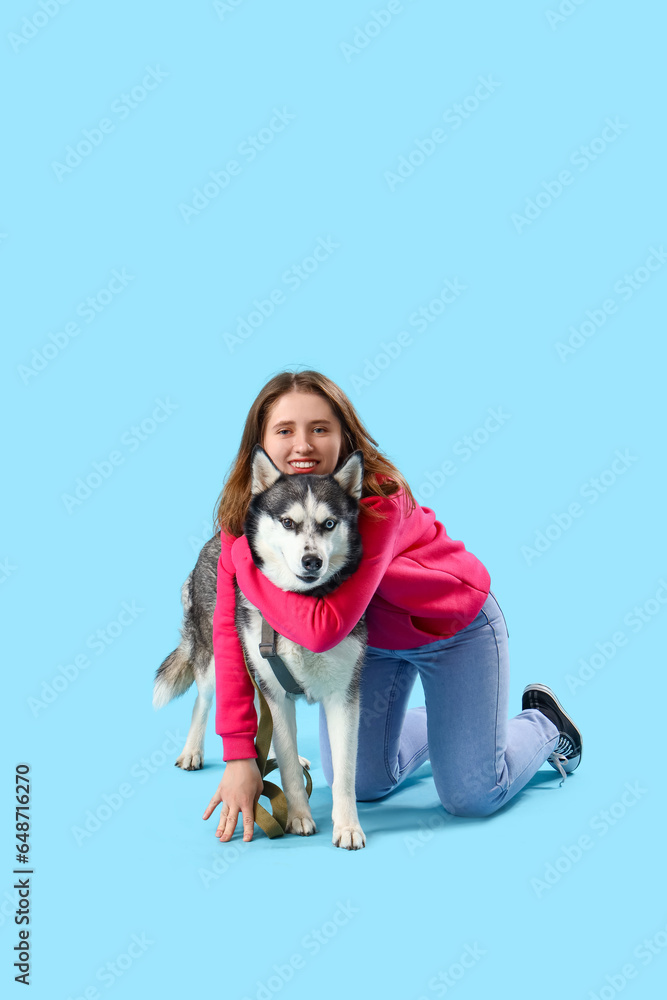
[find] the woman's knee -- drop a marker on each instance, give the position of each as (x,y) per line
(474,798)
(366,787)
(366,791)
(472,808)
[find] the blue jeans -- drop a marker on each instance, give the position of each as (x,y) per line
(479,758)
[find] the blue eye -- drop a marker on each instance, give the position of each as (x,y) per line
(287,522)
(287,429)
(330,524)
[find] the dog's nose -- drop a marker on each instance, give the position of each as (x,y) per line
(311,563)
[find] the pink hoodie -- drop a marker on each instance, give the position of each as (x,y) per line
(415,584)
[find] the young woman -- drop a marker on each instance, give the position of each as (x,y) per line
(429,611)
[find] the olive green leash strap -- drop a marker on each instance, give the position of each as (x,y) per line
(273,824)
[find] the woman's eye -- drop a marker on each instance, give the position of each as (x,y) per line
(329,523)
(286,430)
(287,522)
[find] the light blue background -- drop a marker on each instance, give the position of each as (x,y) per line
(422,894)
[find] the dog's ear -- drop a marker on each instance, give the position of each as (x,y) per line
(351,474)
(263,473)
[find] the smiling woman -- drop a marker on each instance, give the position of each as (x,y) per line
(428,609)
(319,410)
(303,434)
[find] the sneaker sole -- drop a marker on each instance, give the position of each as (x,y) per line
(547,690)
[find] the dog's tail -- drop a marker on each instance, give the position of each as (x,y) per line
(175,674)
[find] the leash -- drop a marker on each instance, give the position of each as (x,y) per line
(267,649)
(272,823)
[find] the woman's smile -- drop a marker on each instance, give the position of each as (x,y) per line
(304,465)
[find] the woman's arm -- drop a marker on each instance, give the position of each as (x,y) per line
(419,585)
(320,623)
(235,716)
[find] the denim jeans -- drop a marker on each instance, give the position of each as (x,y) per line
(479,757)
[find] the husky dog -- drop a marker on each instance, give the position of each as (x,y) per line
(303,535)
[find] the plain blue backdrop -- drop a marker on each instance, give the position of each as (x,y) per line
(514,151)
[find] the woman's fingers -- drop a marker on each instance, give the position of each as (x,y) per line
(229,815)
(248,821)
(227,823)
(229,819)
(223,820)
(211,806)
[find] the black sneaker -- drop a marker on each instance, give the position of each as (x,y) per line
(567,753)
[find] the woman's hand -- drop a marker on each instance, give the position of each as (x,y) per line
(239,790)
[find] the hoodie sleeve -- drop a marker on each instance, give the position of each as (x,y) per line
(440,585)
(420,585)
(320,623)
(235,715)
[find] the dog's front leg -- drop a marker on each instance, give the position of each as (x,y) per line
(343,726)
(299,817)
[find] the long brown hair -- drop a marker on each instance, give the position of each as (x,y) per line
(232,503)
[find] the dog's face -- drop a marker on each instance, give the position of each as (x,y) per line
(302,530)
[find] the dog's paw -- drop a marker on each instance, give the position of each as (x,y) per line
(301,823)
(304,762)
(351,837)
(191,760)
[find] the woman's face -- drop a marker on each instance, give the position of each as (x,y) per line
(302,434)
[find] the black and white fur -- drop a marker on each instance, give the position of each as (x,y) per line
(302,532)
